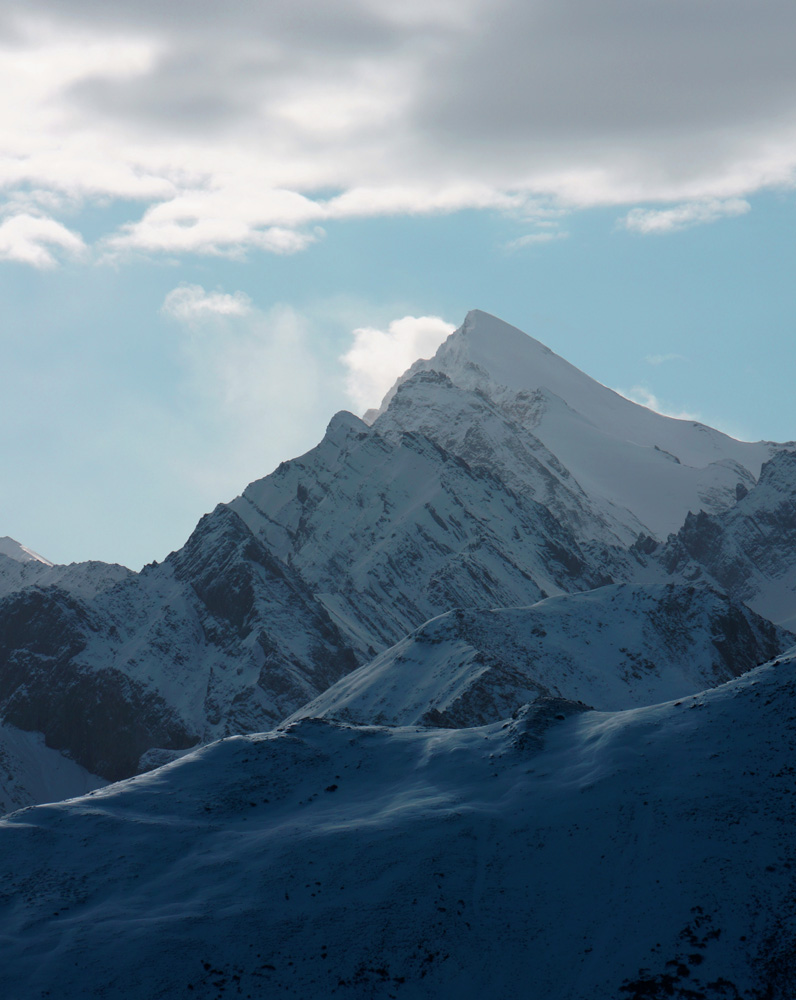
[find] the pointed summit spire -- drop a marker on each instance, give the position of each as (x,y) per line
(510,356)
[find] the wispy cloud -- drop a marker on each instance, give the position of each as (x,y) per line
(191,302)
(240,392)
(531,239)
(662,359)
(642,395)
(377,357)
(671,220)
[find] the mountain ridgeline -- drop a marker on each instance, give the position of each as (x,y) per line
(494,476)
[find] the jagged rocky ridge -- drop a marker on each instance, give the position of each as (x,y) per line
(85,579)
(495,476)
(749,550)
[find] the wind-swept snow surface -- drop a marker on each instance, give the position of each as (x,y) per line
(560,855)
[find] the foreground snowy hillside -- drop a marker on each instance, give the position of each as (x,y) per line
(615,647)
(559,855)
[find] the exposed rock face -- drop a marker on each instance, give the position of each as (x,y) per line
(103,718)
(219,638)
(749,549)
(257,612)
(390,532)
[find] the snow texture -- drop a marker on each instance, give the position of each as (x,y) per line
(451,585)
(640,470)
(32,773)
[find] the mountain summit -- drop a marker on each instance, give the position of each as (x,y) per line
(630,470)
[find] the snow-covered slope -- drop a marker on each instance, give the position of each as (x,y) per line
(390,532)
(616,647)
(32,773)
(640,471)
(21,553)
(496,476)
(563,855)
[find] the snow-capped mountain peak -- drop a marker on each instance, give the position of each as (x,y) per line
(641,470)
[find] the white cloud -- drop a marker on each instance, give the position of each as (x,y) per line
(277,239)
(378,357)
(190,303)
(670,220)
(232,128)
(36,240)
(418,199)
(642,395)
(546,236)
(662,359)
(226,222)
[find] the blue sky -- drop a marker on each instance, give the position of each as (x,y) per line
(201,208)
